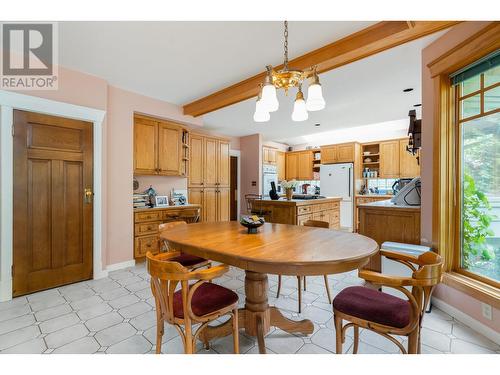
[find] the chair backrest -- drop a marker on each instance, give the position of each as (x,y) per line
(317,224)
(250,198)
(165,277)
(168,226)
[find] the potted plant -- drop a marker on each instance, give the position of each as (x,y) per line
(288,187)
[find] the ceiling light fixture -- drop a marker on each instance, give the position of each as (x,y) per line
(285,79)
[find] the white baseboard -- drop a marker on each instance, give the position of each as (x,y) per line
(467,320)
(119,266)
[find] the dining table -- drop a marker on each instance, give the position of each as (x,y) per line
(279,249)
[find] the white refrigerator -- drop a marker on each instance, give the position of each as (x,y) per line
(337,180)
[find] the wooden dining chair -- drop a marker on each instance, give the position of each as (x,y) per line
(316,224)
(190,261)
(250,198)
(199,303)
(384,313)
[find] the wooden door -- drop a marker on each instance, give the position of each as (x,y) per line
(223,204)
(408,166)
(210,146)
(389,159)
(210,204)
(271,156)
(223,165)
(292,166)
(196,161)
(169,149)
(265,155)
(305,171)
(53,167)
(345,153)
(145,146)
(281,165)
(233,195)
(328,154)
(195,196)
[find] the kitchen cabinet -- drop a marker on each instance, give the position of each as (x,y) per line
(389,159)
(408,166)
(160,147)
(209,177)
(363,199)
(292,159)
(269,155)
(341,153)
(297,212)
(146,222)
(215,203)
(299,165)
(281,165)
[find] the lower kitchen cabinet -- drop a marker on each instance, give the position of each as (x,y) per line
(215,203)
(146,222)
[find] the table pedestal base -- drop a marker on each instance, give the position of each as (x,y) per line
(257,317)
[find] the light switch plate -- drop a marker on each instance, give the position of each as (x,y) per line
(486,310)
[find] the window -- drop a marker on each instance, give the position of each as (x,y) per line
(477,112)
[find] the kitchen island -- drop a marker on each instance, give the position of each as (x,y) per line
(384,221)
(298,211)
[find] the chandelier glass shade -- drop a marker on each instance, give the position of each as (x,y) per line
(286,79)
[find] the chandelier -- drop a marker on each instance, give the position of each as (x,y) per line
(287,78)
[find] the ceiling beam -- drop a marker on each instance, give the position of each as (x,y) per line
(364,43)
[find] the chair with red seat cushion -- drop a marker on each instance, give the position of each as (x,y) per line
(189,261)
(384,313)
(201,302)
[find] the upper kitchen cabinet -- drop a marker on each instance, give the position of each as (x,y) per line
(389,159)
(341,153)
(160,147)
(299,165)
(209,165)
(281,165)
(269,155)
(408,165)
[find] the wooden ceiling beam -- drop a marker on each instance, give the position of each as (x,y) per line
(369,41)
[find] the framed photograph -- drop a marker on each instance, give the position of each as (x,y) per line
(161,201)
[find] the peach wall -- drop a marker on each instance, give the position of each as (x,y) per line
(90,91)
(251,162)
(452,38)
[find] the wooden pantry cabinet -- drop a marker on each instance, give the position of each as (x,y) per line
(160,147)
(209,177)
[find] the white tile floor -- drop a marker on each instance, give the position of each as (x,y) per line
(116,315)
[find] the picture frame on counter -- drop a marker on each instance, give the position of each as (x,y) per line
(161,201)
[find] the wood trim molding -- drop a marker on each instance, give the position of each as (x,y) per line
(369,41)
(474,288)
(446,232)
(484,42)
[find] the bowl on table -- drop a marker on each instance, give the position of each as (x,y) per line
(252,222)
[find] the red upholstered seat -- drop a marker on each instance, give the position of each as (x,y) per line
(187,260)
(374,306)
(206,299)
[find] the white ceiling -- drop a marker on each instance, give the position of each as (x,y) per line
(365,92)
(183,61)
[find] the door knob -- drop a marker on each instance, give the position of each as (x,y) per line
(88,195)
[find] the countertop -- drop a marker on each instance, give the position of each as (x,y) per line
(298,202)
(374,195)
(166,208)
(387,204)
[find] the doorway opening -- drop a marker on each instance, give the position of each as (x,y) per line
(233,187)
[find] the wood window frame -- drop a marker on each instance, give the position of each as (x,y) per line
(446,230)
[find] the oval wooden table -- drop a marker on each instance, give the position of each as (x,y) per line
(276,249)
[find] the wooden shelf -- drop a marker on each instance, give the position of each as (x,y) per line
(371,163)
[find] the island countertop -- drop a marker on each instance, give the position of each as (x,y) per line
(298,202)
(387,204)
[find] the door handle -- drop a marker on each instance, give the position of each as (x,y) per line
(88,195)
